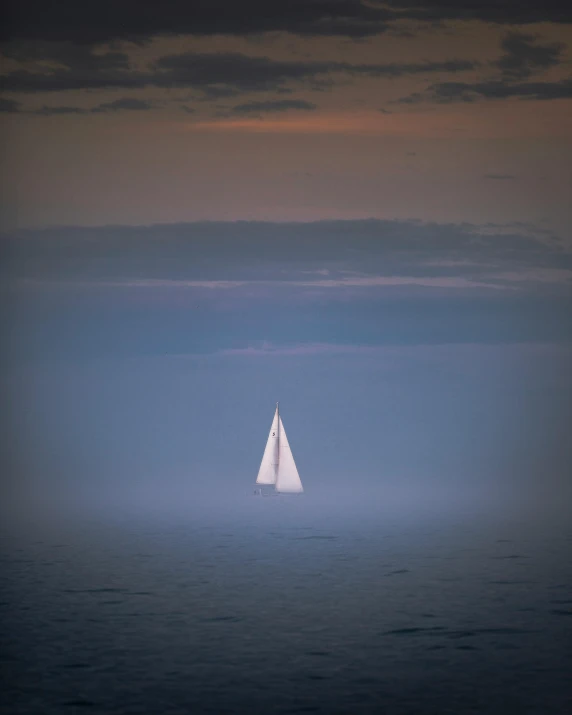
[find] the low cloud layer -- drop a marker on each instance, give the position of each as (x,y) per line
(205,288)
(308,252)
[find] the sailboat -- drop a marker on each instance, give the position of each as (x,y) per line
(278,468)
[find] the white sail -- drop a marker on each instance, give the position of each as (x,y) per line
(269,465)
(288,479)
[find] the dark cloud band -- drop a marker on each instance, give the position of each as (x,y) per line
(239,250)
(92,22)
(212,74)
(446,92)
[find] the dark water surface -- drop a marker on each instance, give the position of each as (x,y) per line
(284,610)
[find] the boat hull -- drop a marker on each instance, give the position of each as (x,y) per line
(266,492)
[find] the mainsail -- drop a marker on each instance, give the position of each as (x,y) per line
(278,466)
(269,465)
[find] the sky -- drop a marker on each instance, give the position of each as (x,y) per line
(361,209)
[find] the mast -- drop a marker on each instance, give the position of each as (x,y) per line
(277,444)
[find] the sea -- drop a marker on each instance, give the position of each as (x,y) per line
(282,606)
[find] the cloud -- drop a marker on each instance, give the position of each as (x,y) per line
(134,283)
(206,287)
(323,256)
(373,281)
(66,54)
(505,12)
(230,73)
(71,78)
(355,281)
(266,349)
(55,111)
(9,106)
(54,66)
(490,279)
(282,105)
(390,352)
(125,103)
(446,92)
(104,21)
(524,56)
(214,75)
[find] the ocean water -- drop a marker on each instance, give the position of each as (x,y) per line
(286,609)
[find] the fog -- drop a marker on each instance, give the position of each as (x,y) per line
(420,368)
